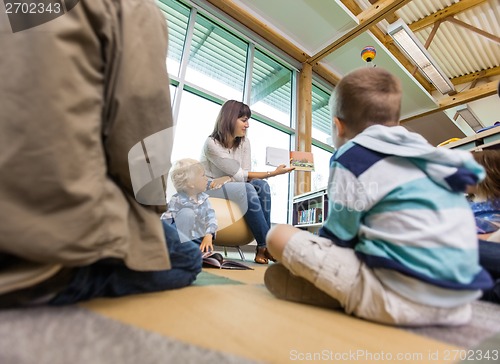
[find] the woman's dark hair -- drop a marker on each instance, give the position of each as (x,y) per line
(489,188)
(225,122)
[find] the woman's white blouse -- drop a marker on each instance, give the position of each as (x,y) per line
(220,161)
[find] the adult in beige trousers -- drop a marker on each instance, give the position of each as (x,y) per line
(85,141)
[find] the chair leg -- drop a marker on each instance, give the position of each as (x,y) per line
(241,253)
(225,252)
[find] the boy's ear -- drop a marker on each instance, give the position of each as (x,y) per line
(339,126)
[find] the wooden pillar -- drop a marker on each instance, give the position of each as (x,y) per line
(304,126)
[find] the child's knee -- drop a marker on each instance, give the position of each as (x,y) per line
(281,233)
(277,237)
(274,234)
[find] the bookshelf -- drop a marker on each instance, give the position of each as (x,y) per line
(310,209)
(484,140)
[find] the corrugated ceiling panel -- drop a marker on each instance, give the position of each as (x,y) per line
(457,50)
(487,18)
(418,9)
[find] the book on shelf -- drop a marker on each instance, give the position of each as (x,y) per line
(302,161)
(310,216)
(216,260)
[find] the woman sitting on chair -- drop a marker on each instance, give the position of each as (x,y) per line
(227,159)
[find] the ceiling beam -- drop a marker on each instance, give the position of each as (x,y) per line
(481,32)
(461,98)
(352,4)
(444,13)
(325,73)
(367,18)
(470,95)
(495,71)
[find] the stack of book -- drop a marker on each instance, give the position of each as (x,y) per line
(310,216)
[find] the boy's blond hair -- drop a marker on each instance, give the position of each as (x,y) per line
(183,171)
(365,97)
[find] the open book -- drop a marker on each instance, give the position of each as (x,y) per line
(216,260)
(302,161)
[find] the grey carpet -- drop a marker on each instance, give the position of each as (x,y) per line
(484,324)
(208,279)
(486,353)
(73,335)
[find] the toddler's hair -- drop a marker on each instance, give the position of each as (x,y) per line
(183,171)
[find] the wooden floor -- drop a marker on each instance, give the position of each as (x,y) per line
(239,316)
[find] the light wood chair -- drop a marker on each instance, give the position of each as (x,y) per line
(233,230)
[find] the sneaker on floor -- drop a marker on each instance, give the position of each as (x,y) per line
(287,286)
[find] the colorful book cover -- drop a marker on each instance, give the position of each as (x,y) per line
(302,161)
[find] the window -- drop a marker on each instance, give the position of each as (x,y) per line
(321,120)
(319,178)
(321,133)
(271,93)
(262,136)
(194,125)
(217,60)
(177,20)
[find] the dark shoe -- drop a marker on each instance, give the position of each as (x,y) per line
(260,255)
(492,294)
(287,286)
(39,294)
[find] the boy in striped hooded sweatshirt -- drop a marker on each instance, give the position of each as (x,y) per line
(399,243)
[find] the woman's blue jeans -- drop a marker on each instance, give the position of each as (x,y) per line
(489,258)
(254,200)
(110,278)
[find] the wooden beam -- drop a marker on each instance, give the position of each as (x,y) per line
(379,10)
(446,12)
(460,98)
(432,34)
(495,71)
(304,126)
(260,28)
(326,74)
(367,18)
(352,4)
(481,32)
(464,97)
